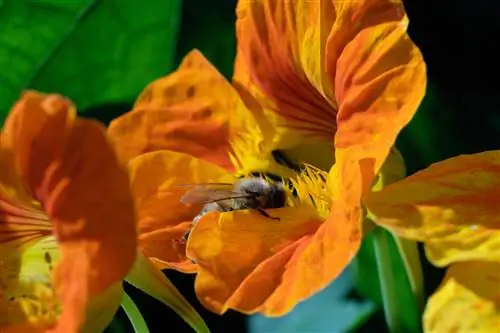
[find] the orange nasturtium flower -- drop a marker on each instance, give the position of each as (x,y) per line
(63,196)
(453,207)
(328,83)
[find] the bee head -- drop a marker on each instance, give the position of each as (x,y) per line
(271,194)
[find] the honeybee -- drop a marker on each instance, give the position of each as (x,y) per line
(253,193)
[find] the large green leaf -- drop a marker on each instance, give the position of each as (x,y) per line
(29,33)
(93,51)
(116,49)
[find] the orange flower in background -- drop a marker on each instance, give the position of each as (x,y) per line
(63,195)
(328,83)
(453,207)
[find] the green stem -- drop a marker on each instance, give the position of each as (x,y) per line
(134,315)
(408,251)
(387,282)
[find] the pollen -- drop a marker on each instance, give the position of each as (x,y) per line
(312,189)
(26,291)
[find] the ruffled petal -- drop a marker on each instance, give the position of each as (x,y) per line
(74,173)
(280,63)
(255,264)
(282,45)
(467,301)
(380,80)
(193,111)
(324,65)
(452,206)
(231,250)
(157,180)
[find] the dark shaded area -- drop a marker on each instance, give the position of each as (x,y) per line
(106,113)
(460,113)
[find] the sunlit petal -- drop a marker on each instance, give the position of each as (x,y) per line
(193,110)
(158,181)
(468,300)
(229,249)
(452,206)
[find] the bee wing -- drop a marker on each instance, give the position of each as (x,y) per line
(207,193)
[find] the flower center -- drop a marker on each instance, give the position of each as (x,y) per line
(28,253)
(26,291)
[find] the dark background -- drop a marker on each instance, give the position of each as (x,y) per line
(459,113)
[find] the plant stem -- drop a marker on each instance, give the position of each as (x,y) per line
(134,315)
(387,282)
(408,251)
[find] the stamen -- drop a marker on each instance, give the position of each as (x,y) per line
(26,291)
(312,189)
(21,224)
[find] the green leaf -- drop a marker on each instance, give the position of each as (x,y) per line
(116,49)
(92,51)
(146,277)
(29,33)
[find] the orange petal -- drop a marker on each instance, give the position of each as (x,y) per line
(254,264)
(282,45)
(73,172)
(380,80)
(452,206)
(467,301)
(280,63)
(22,221)
(193,111)
(163,219)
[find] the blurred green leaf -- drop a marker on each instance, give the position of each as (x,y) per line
(29,33)
(116,49)
(93,51)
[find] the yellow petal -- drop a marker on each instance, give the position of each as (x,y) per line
(246,261)
(468,301)
(193,110)
(255,264)
(156,182)
(146,277)
(452,206)
(281,63)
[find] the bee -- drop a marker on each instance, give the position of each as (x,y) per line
(253,193)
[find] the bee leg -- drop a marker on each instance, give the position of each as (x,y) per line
(264,213)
